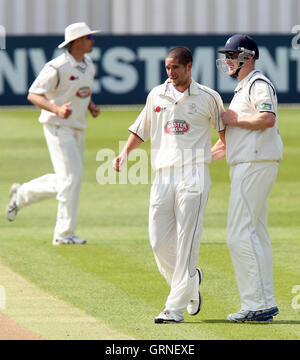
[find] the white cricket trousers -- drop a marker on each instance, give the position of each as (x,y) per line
(177,203)
(66,147)
(247,233)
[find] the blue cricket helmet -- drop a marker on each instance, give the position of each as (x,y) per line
(239,43)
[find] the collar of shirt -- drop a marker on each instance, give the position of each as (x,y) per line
(244,82)
(80,65)
(191,90)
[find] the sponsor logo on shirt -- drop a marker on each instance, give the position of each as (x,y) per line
(264,106)
(176,127)
(72,77)
(158,109)
(84,92)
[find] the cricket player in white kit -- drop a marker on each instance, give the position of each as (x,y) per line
(63,91)
(253,151)
(177,118)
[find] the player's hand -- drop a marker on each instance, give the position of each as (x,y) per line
(119,161)
(230,117)
(64,111)
(94,109)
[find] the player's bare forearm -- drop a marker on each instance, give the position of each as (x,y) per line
(218,151)
(42,102)
(258,121)
(133,143)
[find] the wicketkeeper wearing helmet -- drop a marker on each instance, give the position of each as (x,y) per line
(253,151)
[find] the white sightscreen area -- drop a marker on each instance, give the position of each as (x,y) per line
(151,16)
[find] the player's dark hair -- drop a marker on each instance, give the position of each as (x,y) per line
(182,54)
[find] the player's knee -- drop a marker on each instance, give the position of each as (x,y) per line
(155,245)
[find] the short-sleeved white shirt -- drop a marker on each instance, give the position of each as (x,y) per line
(255,93)
(179,129)
(64,80)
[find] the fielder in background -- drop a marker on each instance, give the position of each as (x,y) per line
(253,151)
(63,91)
(177,118)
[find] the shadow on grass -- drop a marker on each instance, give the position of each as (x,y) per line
(274,322)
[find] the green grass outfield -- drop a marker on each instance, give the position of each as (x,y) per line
(113,280)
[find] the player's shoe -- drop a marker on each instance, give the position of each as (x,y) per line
(194,305)
(260,315)
(168,317)
(69,240)
(12,208)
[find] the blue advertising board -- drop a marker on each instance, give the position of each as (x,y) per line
(128,67)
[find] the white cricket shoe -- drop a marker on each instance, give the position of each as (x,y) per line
(260,315)
(12,208)
(69,240)
(194,305)
(168,317)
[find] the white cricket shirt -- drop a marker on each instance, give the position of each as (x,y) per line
(255,93)
(64,80)
(179,129)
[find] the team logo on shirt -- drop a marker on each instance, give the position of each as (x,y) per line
(84,92)
(72,78)
(264,106)
(176,127)
(192,108)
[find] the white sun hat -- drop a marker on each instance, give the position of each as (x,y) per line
(75,31)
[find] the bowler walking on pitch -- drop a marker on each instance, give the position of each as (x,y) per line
(177,118)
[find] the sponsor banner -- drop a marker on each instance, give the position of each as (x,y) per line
(128,67)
